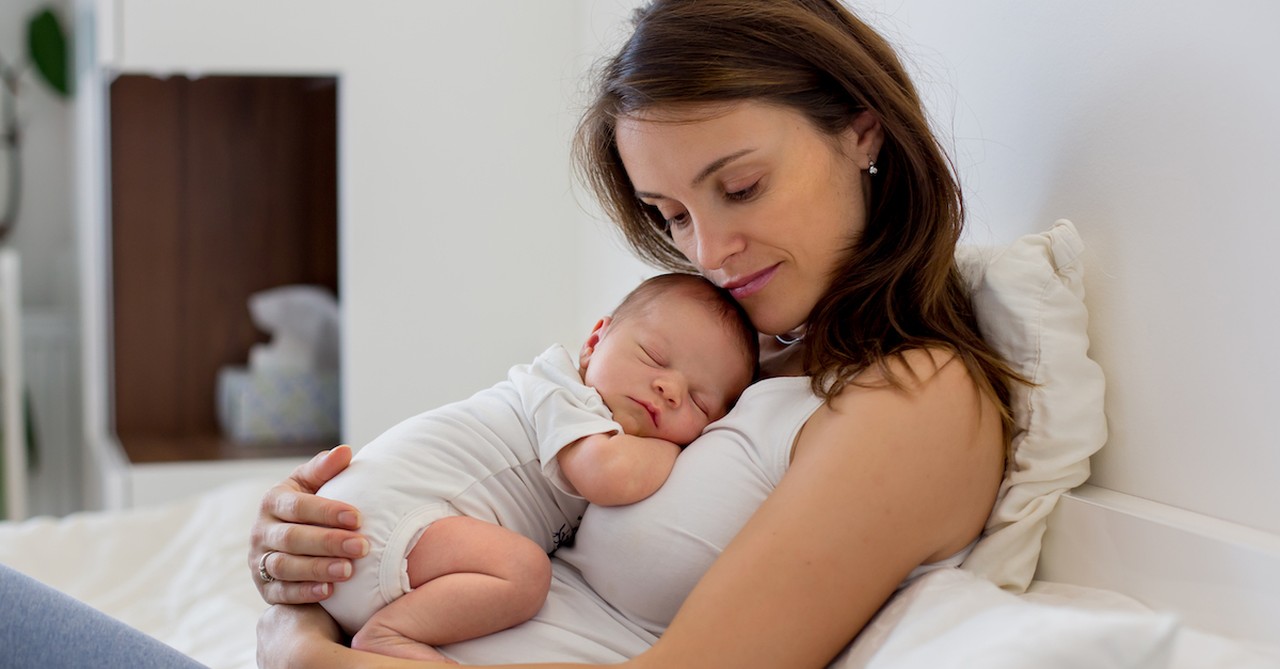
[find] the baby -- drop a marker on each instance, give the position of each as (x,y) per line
(463,504)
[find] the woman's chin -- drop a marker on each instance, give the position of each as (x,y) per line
(772,326)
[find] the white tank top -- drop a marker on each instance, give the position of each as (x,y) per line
(645,558)
(618,585)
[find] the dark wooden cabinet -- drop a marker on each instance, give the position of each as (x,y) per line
(220,187)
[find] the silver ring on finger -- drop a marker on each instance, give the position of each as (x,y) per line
(262,568)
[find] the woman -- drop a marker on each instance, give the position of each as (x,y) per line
(778,148)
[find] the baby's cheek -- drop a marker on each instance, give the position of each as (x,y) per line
(630,426)
(688,432)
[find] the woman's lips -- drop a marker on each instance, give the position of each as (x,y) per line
(750,285)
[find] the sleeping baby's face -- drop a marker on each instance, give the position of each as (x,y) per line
(668,368)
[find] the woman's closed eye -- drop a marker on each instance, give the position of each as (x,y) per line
(676,221)
(743,194)
(664,221)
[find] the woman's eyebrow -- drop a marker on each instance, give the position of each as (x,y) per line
(707,171)
(717,164)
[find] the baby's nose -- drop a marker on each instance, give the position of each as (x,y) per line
(669,390)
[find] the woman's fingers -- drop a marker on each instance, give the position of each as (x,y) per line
(298,580)
(302,580)
(286,567)
(300,543)
(307,479)
(281,592)
(285,503)
(324,466)
(310,541)
(295,575)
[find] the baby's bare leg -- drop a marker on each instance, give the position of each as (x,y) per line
(470,578)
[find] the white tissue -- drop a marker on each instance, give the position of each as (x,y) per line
(304,327)
(290,388)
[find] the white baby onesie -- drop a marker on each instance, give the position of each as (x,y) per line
(491,457)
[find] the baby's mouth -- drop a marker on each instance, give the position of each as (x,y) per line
(650,409)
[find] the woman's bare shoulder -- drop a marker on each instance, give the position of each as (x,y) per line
(933,441)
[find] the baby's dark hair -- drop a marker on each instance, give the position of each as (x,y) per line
(719,299)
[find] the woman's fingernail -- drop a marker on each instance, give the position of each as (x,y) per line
(340,569)
(349,519)
(355,547)
(320,590)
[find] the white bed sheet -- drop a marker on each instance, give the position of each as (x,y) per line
(955,619)
(177,572)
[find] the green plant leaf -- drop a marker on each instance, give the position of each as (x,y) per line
(47,44)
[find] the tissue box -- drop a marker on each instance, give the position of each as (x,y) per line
(279,404)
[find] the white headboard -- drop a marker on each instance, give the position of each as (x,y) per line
(1216,575)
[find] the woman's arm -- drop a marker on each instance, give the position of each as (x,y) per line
(617,469)
(881,480)
(305,636)
(311,540)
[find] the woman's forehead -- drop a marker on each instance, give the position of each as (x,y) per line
(670,147)
(704,114)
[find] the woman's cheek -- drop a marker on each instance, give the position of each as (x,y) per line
(684,244)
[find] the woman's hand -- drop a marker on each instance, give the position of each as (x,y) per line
(301,543)
(287,633)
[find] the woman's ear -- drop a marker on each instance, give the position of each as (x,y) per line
(862,139)
(593,340)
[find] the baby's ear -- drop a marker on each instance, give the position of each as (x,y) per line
(589,346)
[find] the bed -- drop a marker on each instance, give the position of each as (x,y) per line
(178,572)
(1066,575)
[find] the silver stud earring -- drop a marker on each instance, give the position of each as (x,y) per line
(871,168)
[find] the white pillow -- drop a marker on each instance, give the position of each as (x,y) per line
(1029,301)
(952,618)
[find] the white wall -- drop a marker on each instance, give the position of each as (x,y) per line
(456,221)
(608,269)
(1153,127)
(44,239)
(44,233)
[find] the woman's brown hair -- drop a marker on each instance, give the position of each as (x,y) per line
(898,288)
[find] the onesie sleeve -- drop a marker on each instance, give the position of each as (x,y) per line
(560,409)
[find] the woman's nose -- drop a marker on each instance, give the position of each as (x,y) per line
(713,243)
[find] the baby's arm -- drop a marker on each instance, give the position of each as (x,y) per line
(617,469)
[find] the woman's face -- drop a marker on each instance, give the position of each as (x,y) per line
(756,197)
